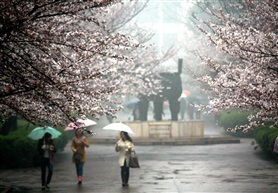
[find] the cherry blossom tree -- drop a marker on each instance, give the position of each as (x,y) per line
(248,79)
(146,56)
(59,60)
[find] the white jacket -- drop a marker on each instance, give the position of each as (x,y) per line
(124,154)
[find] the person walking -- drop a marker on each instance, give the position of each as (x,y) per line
(124,146)
(78,144)
(182,107)
(46,148)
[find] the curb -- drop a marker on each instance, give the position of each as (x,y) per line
(184,141)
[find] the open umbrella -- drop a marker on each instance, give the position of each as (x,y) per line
(186,92)
(80,123)
(85,122)
(71,126)
(39,132)
(132,104)
(118,127)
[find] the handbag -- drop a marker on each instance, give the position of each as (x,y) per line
(133,160)
(77,157)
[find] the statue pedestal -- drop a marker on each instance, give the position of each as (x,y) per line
(167,129)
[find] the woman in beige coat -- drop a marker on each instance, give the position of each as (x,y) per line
(124,146)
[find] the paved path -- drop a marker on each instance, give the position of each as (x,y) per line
(193,168)
(211,168)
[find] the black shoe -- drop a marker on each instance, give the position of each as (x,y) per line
(123,184)
(47,187)
(79,182)
(126,184)
(43,187)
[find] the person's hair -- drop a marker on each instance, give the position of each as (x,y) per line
(76,130)
(47,135)
(127,136)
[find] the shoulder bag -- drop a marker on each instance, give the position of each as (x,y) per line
(133,160)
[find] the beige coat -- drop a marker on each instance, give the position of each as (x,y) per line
(122,147)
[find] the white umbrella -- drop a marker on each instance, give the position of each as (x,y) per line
(85,122)
(118,127)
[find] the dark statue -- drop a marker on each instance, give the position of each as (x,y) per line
(171,91)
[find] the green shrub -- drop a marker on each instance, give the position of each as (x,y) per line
(230,119)
(265,137)
(24,128)
(233,118)
(18,150)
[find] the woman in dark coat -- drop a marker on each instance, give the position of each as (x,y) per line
(46,148)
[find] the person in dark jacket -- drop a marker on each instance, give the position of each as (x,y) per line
(182,107)
(46,148)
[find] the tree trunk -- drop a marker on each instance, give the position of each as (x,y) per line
(9,125)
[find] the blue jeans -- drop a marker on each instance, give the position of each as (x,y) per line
(79,168)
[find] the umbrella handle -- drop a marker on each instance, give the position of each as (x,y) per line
(90,132)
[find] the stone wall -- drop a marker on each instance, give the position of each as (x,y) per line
(167,129)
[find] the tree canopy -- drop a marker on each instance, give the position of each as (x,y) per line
(249,78)
(60,59)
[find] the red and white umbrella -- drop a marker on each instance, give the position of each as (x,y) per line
(71,126)
(79,123)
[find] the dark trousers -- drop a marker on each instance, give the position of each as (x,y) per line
(46,164)
(125,173)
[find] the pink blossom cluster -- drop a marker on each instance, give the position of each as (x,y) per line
(60,59)
(249,79)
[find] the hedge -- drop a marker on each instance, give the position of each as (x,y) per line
(232,118)
(265,137)
(18,150)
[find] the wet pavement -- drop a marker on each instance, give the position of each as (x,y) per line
(210,168)
(219,168)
